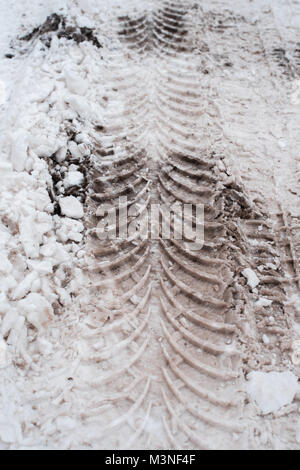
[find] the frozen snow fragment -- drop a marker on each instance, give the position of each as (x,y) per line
(296,352)
(107,141)
(273,390)
(84,149)
(7,282)
(24,287)
(10,321)
(80,105)
(75,151)
(18,152)
(75,83)
(42,201)
(71,230)
(271,266)
(3,353)
(221,166)
(82,139)
(4,236)
(28,236)
(73,178)
(2,92)
(71,207)
(56,252)
(36,309)
(44,346)
(41,267)
(5,265)
(43,225)
(135,300)
(61,154)
(263,302)
(4,305)
(251,277)
(265,339)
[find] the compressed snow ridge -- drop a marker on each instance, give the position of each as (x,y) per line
(271,391)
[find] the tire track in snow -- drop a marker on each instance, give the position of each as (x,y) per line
(169,315)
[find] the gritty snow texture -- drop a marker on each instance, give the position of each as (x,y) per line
(272,391)
(50,396)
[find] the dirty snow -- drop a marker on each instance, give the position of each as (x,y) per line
(39,249)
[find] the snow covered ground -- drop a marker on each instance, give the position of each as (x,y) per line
(57,103)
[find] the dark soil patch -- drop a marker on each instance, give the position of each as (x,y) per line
(58,24)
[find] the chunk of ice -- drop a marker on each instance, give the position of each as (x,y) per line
(273,390)
(251,277)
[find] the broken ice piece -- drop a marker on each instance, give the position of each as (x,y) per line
(61,154)
(296,353)
(266,339)
(251,277)
(37,310)
(3,353)
(75,151)
(263,302)
(71,207)
(135,300)
(73,178)
(75,83)
(273,390)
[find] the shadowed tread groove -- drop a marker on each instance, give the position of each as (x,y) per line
(166,30)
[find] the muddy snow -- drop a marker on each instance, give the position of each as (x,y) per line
(144,107)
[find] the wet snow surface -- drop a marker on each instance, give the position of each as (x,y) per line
(149,345)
